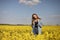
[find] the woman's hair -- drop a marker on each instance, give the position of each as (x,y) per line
(34,18)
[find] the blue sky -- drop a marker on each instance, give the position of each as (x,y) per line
(19,12)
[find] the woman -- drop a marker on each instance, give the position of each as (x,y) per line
(36,24)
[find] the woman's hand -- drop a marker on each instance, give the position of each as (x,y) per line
(34,21)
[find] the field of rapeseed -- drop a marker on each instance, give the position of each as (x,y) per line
(8,32)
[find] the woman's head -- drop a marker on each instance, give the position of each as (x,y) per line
(35,16)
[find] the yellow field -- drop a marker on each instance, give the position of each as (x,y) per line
(25,33)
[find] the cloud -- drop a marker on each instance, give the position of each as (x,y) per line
(30,2)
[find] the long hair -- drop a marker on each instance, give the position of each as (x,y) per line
(34,18)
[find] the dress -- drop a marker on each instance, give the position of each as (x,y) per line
(37,29)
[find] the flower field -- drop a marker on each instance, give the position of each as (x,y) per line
(10,32)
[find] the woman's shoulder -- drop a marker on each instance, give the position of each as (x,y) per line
(39,21)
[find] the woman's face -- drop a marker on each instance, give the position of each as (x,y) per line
(35,16)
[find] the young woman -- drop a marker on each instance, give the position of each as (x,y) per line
(36,24)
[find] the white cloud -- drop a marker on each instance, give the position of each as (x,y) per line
(30,2)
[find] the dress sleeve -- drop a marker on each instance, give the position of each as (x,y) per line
(33,25)
(40,24)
